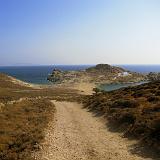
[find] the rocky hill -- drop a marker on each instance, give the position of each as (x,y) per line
(105,68)
(101,73)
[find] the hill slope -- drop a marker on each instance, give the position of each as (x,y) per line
(135,109)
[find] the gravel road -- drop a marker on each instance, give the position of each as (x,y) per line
(75,134)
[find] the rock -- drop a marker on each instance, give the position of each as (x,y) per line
(56,76)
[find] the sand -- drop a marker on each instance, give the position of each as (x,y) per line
(84,88)
(25,84)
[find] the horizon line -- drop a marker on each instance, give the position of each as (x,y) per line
(38,65)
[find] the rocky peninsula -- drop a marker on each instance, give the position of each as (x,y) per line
(87,79)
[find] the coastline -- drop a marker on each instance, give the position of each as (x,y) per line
(24,84)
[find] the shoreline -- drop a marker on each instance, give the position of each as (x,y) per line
(22,83)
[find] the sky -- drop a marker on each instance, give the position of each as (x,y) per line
(45,32)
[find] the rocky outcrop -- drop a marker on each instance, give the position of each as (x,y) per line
(56,76)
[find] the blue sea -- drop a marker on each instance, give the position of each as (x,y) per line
(142,68)
(38,74)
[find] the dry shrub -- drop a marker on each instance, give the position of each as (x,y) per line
(153,99)
(22,128)
(125,103)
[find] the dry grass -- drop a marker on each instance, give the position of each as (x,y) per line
(22,127)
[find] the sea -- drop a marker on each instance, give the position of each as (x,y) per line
(38,74)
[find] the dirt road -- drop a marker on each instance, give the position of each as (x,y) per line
(76,134)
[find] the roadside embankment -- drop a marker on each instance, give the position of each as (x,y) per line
(133,110)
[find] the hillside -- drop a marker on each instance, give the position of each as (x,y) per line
(133,110)
(101,73)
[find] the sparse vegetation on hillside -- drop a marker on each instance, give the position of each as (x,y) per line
(22,127)
(135,110)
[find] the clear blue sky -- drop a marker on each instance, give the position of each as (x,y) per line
(41,32)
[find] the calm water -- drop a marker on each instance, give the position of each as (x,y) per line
(38,74)
(111,87)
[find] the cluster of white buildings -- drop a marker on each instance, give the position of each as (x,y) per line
(123,74)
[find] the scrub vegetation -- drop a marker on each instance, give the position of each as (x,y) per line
(22,127)
(133,110)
